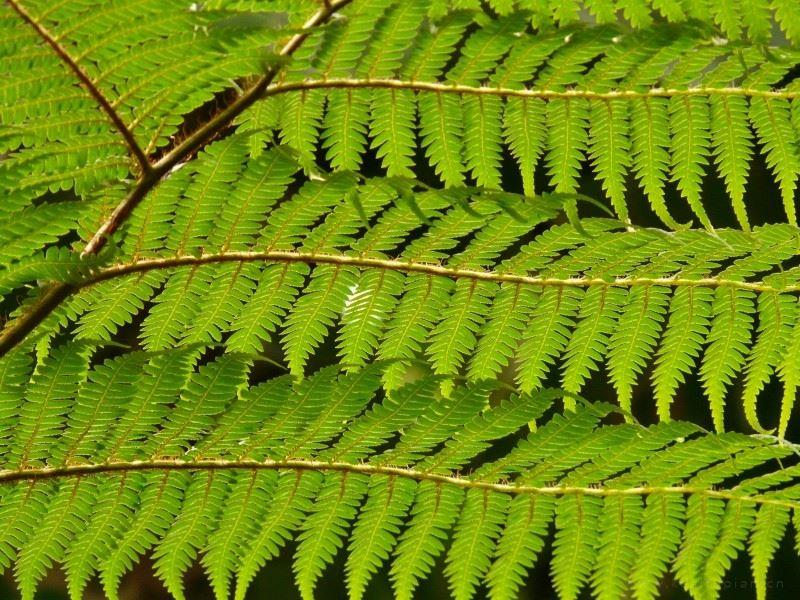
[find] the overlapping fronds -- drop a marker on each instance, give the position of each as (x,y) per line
(188,188)
(76,76)
(644,108)
(460,277)
(175,454)
(658,104)
(96,103)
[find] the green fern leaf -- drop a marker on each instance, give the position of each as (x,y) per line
(728,337)
(115,499)
(776,316)
(732,143)
(774,129)
(159,504)
(366,310)
(662,525)
(573,549)
(432,514)
(289,505)
(770,526)
(324,529)
(250,492)
(737,522)
(690,120)
(274,296)
(566,142)
(630,347)
(598,313)
(314,313)
(502,332)
(608,142)
(375,534)
(68,509)
(47,399)
(454,335)
(688,322)
(469,556)
(617,545)
(547,334)
(526,525)
(199,512)
(704,519)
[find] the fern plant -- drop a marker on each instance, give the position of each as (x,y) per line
(386,199)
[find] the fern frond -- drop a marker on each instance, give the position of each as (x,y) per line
(250,492)
(192,192)
(613,97)
(521,541)
(326,473)
(458,279)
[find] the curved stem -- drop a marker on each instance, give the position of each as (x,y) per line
(407,266)
(167,464)
(544,94)
(18,329)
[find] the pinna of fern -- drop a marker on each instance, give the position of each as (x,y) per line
(175,453)
(459,275)
(661,105)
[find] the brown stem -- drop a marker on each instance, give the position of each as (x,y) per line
(16,331)
(105,105)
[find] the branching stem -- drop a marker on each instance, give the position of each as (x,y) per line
(86,82)
(205,133)
(152,174)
